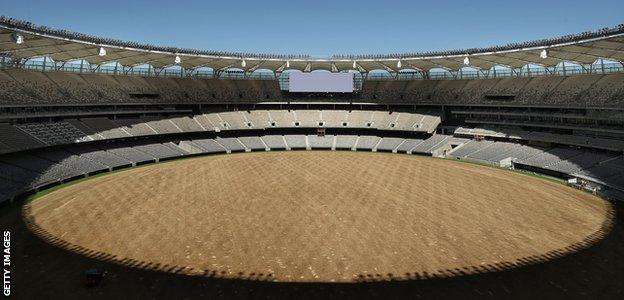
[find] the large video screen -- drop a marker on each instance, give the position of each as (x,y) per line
(320,82)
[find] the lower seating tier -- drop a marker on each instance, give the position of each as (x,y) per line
(22,172)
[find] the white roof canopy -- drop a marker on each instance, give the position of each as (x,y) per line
(62,45)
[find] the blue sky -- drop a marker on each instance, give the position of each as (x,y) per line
(321,28)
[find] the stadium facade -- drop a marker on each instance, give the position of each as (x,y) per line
(72,105)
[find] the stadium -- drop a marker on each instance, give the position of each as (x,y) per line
(170,172)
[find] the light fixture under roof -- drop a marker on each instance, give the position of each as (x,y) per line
(17,38)
(544,54)
(177,59)
(466,61)
(243,63)
(102,51)
(288,64)
(354,64)
(399,64)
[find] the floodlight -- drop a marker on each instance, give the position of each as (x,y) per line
(466,61)
(177,59)
(102,51)
(544,54)
(17,38)
(398,64)
(243,63)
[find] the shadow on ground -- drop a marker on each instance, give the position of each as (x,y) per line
(45,267)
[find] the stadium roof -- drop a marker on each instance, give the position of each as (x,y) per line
(63,45)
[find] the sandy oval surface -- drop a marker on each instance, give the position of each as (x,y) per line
(320,216)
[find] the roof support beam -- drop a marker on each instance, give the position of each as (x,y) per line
(550,54)
(207,64)
(28,41)
(46,54)
(436,65)
(149,61)
(391,70)
(494,63)
(83,57)
(226,67)
(281,68)
(125,57)
(96,68)
(221,70)
(601,48)
(254,68)
(567,60)
(524,61)
(35,48)
(360,68)
(415,68)
(7,43)
(58,65)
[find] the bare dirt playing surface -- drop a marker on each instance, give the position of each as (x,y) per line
(319,216)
